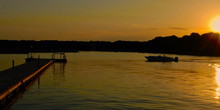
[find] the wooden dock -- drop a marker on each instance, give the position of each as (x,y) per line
(13,80)
(55,60)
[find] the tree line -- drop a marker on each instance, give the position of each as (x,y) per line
(207,44)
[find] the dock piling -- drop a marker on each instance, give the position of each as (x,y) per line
(38,61)
(13,63)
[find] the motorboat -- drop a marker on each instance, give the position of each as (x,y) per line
(161,59)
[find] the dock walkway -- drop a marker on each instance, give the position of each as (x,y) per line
(13,78)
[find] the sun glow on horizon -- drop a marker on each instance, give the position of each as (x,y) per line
(215,24)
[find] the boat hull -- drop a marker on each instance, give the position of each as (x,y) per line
(161,59)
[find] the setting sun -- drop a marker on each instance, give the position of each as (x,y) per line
(215,24)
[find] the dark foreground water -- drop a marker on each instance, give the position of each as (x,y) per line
(107,80)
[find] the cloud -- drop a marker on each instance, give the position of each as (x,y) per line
(178,28)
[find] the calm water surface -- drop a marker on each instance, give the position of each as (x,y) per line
(108,80)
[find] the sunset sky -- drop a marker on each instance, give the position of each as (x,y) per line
(107,20)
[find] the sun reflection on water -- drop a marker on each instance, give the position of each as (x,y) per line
(217,68)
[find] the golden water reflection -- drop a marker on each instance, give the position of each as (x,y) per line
(217,68)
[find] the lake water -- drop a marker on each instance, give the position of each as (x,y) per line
(109,80)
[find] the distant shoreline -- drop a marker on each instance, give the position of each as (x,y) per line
(207,44)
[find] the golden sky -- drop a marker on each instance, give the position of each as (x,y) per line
(107,20)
